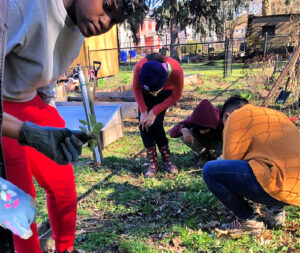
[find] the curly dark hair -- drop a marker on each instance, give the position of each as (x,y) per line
(235,101)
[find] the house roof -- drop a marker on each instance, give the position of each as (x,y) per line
(272,16)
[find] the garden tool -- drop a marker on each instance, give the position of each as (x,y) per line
(91,93)
(284,94)
(89,112)
(96,68)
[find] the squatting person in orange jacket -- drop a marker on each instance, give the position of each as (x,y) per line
(261,162)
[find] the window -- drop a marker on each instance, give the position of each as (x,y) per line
(268,29)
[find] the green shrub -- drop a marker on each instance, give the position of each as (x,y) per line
(101,82)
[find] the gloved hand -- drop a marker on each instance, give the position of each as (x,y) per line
(59,144)
(17,209)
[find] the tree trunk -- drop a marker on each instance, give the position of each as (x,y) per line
(174,39)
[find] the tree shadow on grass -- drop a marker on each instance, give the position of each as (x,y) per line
(148,208)
(151,210)
(173,196)
(138,163)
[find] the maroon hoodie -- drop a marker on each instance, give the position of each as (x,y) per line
(204,115)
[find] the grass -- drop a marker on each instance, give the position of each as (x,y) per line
(124,212)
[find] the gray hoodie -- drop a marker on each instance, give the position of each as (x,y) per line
(42,42)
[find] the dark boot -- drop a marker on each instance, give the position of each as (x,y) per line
(153,162)
(166,157)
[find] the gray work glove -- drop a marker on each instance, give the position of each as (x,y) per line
(59,144)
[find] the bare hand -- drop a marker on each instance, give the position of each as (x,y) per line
(143,119)
(150,119)
(187,135)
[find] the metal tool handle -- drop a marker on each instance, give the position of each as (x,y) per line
(96,67)
(89,110)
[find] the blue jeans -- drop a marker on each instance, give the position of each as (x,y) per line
(232,182)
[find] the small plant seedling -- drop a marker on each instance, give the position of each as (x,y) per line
(248,95)
(94,132)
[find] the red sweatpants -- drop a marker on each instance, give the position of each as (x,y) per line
(58,181)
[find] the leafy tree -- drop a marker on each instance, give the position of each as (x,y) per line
(203,16)
(178,14)
(135,12)
(233,10)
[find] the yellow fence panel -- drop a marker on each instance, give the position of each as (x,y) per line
(95,49)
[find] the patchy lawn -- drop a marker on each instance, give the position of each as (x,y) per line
(121,211)
(124,78)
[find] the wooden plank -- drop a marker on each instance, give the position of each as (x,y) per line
(126,96)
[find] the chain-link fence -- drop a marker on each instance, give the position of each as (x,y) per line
(283,46)
(192,53)
(196,55)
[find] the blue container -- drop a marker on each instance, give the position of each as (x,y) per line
(132,53)
(123,56)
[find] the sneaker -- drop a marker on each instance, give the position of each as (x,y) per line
(274,217)
(254,225)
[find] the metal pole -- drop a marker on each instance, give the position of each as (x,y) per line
(225,58)
(86,98)
(266,45)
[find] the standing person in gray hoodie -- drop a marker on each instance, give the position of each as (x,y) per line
(17,209)
(44,38)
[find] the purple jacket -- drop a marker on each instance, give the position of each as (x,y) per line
(204,115)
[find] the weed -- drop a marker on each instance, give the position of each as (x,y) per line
(134,246)
(101,82)
(126,80)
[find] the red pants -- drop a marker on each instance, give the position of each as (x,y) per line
(58,181)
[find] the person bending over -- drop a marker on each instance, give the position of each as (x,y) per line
(157,85)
